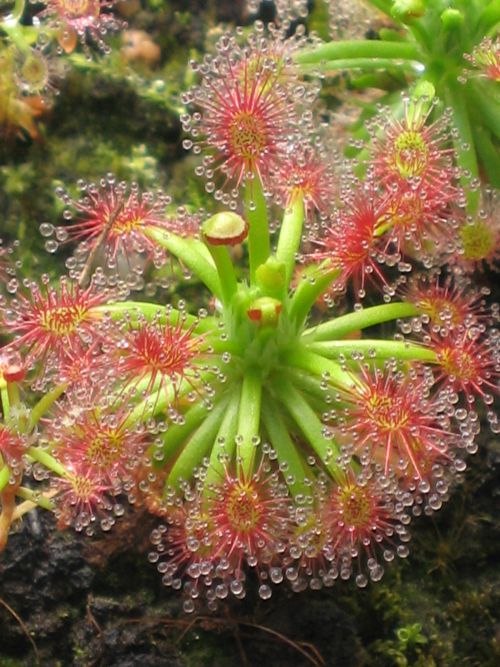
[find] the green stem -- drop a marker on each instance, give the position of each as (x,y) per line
(361,319)
(44,404)
(309,385)
(4,477)
(290,236)
(315,390)
(359,49)
(249,421)
(133,389)
(4,396)
(13,392)
(192,254)
(177,434)
(198,446)
(488,154)
(310,425)
(480,97)
(156,402)
(35,497)
(18,9)
(488,19)
(310,288)
(420,34)
(225,270)
(380,80)
(466,156)
(150,311)
(374,349)
(225,442)
(214,345)
(259,245)
(16,34)
(366,64)
(48,461)
(322,367)
(162,398)
(285,448)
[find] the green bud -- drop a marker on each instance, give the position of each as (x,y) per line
(270,276)
(452,18)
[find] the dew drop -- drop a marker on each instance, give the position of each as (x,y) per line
(265,592)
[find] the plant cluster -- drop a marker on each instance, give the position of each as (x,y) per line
(30,40)
(279,433)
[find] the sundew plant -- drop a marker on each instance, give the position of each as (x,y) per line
(333,384)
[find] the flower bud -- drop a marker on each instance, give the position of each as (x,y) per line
(12,368)
(265,311)
(225,228)
(452,18)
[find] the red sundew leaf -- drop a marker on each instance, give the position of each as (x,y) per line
(351,242)
(361,520)
(75,20)
(249,101)
(53,321)
(468,363)
(397,421)
(448,306)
